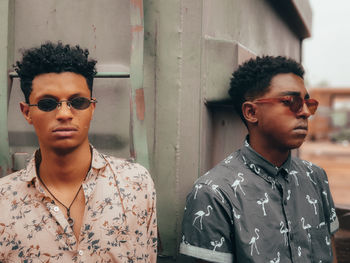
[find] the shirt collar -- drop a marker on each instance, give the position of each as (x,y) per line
(29,173)
(262,167)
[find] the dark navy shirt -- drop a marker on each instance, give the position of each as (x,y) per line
(247,210)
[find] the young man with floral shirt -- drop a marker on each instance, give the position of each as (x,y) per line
(261,204)
(72,203)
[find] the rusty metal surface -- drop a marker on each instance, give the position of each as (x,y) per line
(138,129)
(140,104)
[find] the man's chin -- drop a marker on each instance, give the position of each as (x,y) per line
(296,145)
(64,148)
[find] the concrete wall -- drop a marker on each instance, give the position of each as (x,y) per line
(191,49)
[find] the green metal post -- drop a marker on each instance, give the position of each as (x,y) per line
(138,133)
(6,45)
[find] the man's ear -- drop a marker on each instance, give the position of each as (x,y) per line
(249,112)
(25,111)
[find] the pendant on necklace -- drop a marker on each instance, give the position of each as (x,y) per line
(70,221)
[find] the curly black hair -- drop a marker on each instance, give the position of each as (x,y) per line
(252,79)
(54,58)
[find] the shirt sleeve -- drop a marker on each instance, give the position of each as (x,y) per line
(328,204)
(207,225)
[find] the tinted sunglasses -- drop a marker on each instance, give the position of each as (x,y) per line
(49,104)
(295,103)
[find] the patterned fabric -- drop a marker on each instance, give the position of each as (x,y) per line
(119,223)
(247,210)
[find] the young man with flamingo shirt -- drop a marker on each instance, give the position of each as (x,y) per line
(268,206)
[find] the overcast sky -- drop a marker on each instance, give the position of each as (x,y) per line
(326,55)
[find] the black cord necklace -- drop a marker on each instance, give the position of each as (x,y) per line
(69,219)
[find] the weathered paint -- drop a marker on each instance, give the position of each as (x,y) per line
(140,104)
(6,45)
(138,5)
(138,129)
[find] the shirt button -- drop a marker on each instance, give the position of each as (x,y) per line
(80,252)
(56,209)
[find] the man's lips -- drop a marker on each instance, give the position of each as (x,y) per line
(59,129)
(301,127)
(64,131)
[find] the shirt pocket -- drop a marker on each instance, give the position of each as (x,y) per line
(321,246)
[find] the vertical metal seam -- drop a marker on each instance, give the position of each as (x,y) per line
(178,123)
(4,141)
(200,100)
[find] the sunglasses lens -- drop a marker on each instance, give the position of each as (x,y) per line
(80,103)
(47,104)
(295,104)
(312,105)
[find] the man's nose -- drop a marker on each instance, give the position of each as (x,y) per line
(304,112)
(64,110)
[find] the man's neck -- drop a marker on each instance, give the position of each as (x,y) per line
(65,169)
(274,155)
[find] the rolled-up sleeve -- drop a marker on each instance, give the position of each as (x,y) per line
(207,225)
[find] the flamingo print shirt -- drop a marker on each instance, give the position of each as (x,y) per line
(119,222)
(247,210)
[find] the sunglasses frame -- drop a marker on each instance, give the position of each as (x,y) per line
(292,100)
(59,103)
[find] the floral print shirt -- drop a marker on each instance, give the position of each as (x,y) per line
(248,210)
(119,222)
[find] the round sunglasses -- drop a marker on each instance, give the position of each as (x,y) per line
(295,103)
(49,104)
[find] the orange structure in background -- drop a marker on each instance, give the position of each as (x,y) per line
(321,125)
(329,147)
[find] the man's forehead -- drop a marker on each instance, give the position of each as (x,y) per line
(64,82)
(287,84)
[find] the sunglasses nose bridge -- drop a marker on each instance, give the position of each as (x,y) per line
(305,108)
(59,104)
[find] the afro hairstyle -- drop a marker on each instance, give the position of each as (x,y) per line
(54,58)
(252,79)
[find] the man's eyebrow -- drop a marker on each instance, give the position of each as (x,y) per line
(290,93)
(294,93)
(75,95)
(47,96)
